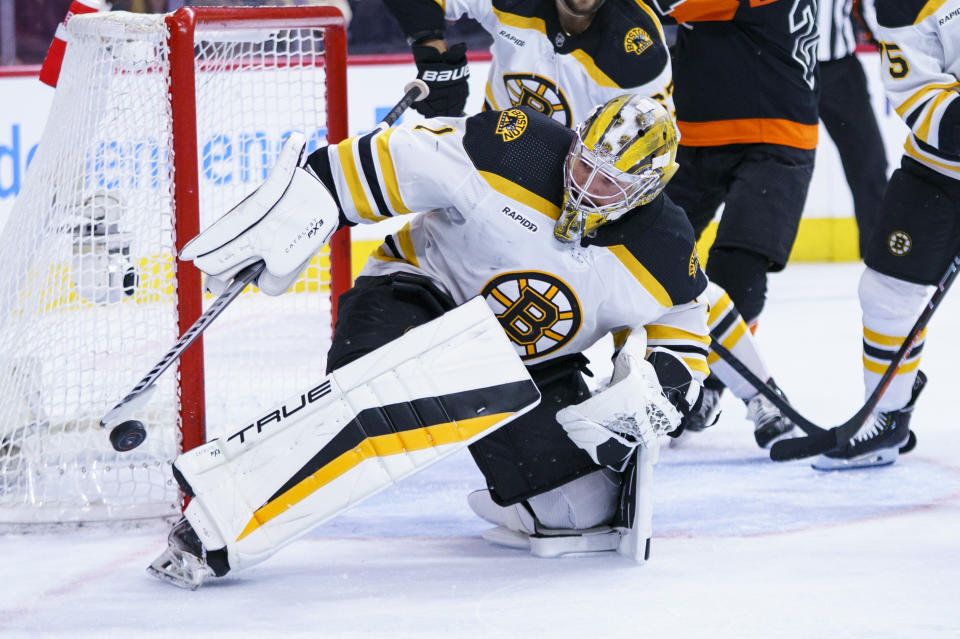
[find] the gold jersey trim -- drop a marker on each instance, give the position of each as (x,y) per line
(640,272)
(520,22)
(908,104)
(928,10)
(516,192)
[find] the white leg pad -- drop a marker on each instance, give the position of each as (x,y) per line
(367,425)
(635,540)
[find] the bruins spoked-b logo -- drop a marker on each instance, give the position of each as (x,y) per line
(538,312)
(637,41)
(539,93)
(899,243)
(512,124)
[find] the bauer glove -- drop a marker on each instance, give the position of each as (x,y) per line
(446,75)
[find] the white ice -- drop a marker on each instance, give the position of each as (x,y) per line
(743,547)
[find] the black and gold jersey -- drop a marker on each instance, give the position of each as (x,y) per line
(745,71)
(920,56)
(491,187)
(536,64)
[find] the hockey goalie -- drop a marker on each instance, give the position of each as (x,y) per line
(465,329)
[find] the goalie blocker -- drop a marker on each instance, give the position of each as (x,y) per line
(367,425)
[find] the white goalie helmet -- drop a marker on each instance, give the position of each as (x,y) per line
(622,156)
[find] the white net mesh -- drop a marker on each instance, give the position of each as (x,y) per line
(87,289)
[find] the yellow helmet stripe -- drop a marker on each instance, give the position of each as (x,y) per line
(603,120)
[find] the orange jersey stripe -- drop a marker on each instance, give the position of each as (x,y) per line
(705,10)
(748,131)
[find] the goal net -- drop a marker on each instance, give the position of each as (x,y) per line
(159,125)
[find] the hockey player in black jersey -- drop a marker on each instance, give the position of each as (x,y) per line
(746,99)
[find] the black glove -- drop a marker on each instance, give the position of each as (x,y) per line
(446,75)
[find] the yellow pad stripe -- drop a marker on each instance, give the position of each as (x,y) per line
(639,271)
(379,446)
(389,173)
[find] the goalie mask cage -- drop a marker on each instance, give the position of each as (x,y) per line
(159,125)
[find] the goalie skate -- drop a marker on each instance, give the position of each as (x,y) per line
(183,563)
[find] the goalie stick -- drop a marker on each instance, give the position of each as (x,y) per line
(127,433)
(818,439)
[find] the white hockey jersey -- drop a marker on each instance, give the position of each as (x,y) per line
(492,186)
(920,53)
(564,76)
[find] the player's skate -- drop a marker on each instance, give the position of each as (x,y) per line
(701,419)
(183,563)
(770,425)
(708,413)
(517,527)
(880,440)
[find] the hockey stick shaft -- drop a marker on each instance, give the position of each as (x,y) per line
(413,91)
(805,424)
(808,446)
(240,282)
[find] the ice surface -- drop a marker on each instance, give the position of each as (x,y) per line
(744,547)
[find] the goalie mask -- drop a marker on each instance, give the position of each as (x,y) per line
(621,157)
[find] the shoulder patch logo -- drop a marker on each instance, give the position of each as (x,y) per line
(512,124)
(637,41)
(899,243)
(538,311)
(540,93)
(694,263)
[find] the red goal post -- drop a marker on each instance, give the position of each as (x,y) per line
(182,25)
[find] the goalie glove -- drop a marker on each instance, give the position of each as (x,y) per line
(284,222)
(631,412)
(446,75)
(677,383)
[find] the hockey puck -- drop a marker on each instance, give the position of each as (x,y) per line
(128,435)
